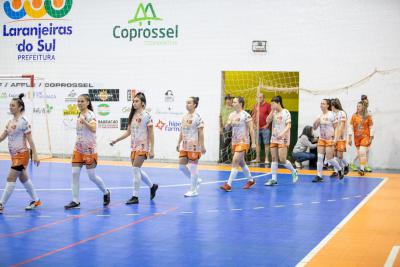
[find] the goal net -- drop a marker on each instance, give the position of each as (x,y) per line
(249,84)
(38,108)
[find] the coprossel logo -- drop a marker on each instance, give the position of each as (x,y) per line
(36,9)
(144,12)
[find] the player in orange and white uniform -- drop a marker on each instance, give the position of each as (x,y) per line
(191,145)
(327,123)
(140,128)
(242,126)
(280,139)
(361,126)
(85,152)
(340,136)
(18,131)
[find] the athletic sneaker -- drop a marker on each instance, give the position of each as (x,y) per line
(271,182)
(153,191)
(107,198)
(334,175)
(318,179)
(346,169)
(361,172)
(368,169)
(72,205)
(353,167)
(341,175)
(133,200)
(1,208)
(249,184)
(295,176)
(33,205)
(191,194)
(226,187)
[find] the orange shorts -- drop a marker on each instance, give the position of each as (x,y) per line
(325,143)
(86,159)
(240,148)
(341,146)
(19,159)
(190,155)
(135,154)
(361,141)
(273,145)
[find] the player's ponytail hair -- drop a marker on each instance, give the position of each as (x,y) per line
(20,102)
(142,98)
(278,99)
(195,100)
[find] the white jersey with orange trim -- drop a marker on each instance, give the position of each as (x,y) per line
(16,133)
(85,138)
(341,117)
(279,122)
(240,131)
(326,126)
(191,123)
(140,140)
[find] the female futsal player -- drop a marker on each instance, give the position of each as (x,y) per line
(361,127)
(242,126)
(341,136)
(191,145)
(85,152)
(140,128)
(18,131)
(327,123)
(280,139)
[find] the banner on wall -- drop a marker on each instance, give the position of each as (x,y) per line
(36,28)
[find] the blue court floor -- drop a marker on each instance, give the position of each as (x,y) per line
(263,226)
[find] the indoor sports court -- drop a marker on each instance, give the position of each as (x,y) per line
(211,133)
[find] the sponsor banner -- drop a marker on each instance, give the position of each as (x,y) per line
(107,124)
(148,27)
(168,125)
(103,109)
(38,40)
(105,95)
(123,124)
(71,110)
(49,108)
(72,96)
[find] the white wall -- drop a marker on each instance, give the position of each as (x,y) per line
(331,44)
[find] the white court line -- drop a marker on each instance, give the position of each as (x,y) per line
(345,198)
(132,214)
(237,209)
(130,187)
(279,206)
(315,202)
(257,208)
(44,216)
(186,212)
(324,241)
(298,204)
(392,256)
(331,200)
(103,215)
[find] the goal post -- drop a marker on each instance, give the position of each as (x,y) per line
(37,108)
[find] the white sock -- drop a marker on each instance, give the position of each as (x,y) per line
(75,183)
(136,181)
(288,165)
(320,164)
(340,162)
(31,191)
(335,164)
(194,175)
(232,176)
(247,173)
(185,170)
(146,178)
(274,170)
(97,180)
(8,190)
